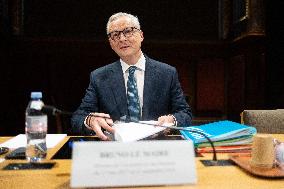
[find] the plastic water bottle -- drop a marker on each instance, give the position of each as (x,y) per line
(36,129)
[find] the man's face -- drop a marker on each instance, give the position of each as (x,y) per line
(125,39)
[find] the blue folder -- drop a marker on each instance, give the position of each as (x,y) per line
(219,131)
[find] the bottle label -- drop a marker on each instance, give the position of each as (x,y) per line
(36,123)
(37,105)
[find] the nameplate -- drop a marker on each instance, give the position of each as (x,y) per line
(143,163)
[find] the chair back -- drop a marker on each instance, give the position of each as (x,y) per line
(265,121)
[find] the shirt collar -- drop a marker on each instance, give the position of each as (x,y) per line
(140,64)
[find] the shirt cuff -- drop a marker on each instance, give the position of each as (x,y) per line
(85,122)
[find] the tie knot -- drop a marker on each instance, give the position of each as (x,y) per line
(131,70)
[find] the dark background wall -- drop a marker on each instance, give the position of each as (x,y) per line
(224,65)
(275,54)
(87,19)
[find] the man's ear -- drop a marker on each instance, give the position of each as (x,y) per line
(142,35)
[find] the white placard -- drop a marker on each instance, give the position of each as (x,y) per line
(143,163)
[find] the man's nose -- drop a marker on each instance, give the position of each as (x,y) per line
(121,36)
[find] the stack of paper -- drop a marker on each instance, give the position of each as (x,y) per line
(222,133)
(129,132)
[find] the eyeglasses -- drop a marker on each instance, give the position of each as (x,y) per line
(127,32)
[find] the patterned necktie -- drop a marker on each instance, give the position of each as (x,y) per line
(132,96)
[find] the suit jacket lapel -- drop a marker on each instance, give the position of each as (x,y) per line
(118,88)
(150,87)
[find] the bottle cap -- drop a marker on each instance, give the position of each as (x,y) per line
(36,95)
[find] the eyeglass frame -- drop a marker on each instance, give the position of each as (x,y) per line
(115,38)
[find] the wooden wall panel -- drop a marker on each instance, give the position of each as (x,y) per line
(236,87)
(210,91)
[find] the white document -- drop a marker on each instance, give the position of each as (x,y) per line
(143,163)
(129,132)
(21,141)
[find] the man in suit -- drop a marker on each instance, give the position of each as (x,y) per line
(151,91)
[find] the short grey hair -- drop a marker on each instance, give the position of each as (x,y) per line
(134,19)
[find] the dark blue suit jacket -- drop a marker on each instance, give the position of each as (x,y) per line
(107,94)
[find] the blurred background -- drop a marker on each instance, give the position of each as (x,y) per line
(229,53)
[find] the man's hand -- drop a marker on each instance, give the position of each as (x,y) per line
(168,119)
(98,121)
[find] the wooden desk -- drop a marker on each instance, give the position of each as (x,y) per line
(225,177)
